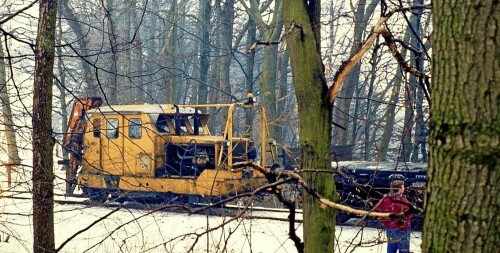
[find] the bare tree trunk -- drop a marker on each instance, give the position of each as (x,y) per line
(315,121)
(227,21)
(270,33)
(369,112)
(214,77)
(282,96)
(249,67)
(151,63)
(174,80)
(126,83)
(409,121)
(420,126)
(390,113)
(10,132)
(43,142)
(463,191)
(111,85)
(138,57)
(61,87)
(168,57)
(342,114)
(92,88)
(204,33)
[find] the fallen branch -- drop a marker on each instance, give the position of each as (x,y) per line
(324,202)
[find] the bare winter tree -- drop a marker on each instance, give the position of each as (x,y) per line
(154,50)
(315,120)
(43,141)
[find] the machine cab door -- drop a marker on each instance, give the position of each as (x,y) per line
(112,145)
(92,147)
(138,147)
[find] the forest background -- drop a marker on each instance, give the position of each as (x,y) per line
(216,51)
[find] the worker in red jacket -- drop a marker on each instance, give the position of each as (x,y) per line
(398,226)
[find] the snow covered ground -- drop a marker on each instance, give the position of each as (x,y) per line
(129,230)
(137,231)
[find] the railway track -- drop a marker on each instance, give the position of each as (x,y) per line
(194,209)
(231,211)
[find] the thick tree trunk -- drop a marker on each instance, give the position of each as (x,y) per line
(10,132)
(315,121)
(43,142)
(268,85)
(214,77)
(168,59)
(463,191)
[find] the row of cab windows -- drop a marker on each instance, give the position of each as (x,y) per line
(112,126)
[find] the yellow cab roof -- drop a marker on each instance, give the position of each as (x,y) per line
(138,109)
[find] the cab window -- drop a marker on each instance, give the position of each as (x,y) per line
(97,128)
(112,128)
(135,129)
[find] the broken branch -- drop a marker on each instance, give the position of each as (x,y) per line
(326,203)
(349,64)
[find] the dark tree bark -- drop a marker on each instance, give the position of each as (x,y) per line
(463,191)
(43,142)
(315,119)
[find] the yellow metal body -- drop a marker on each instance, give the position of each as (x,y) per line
(124,147)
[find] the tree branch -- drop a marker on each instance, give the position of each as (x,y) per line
(325,203)
(347,65)
(9,17)
(268,43)
(412,70)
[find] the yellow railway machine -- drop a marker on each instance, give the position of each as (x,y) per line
(160,152)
